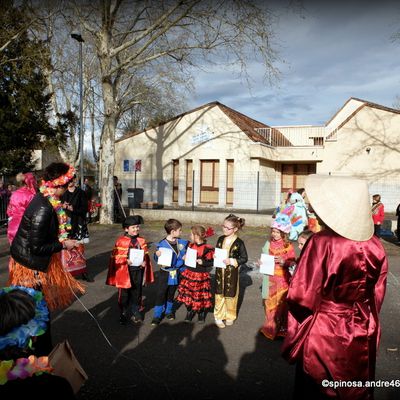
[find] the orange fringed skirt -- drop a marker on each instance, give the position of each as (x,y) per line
(59,287)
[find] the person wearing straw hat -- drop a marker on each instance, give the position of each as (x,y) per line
(336,294)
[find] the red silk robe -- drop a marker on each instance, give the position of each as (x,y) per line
(118,274)
(340,284)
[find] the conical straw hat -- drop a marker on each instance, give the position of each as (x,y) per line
(342,203)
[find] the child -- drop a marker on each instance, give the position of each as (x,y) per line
(125,276)
(227,279)
(194,289)
(301,241)
(169,275)
(275,287)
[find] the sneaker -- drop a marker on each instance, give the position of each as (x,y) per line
(220,323)
(156,321)
(229,322)
(122,319)
(170,316)
(202,317)
(137,318)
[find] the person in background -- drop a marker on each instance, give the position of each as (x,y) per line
(398,222)
(227,279)
(336,293)
(75,204)
(23,373)
(19,200)
(118,212)
(378,213)
(129,278)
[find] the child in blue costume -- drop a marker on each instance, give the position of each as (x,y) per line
(168,277)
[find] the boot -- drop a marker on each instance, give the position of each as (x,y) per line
(202,317)
(189,316)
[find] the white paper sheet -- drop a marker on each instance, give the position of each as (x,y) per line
(191,257)
(136,256)
(220,256)
(267,266)
(165,257)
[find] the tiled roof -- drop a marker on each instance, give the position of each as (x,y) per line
(243,122)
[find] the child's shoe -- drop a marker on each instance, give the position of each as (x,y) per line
(220,323)
(156,321)
(189,316)
(229,322)
(122,319)
(170,316)
(137,317)
(202,317)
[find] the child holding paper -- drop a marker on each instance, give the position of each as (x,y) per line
(230,254)
(169,256)
(276,285)
(194,289)
(129,262)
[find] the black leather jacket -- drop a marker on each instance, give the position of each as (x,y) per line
(37,236)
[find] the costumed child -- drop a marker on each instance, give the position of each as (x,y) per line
(275,288)
(227,279)
(127,275)
(168,277)
(194,289)
(24,372)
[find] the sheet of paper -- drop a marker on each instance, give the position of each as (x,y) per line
(165,257)
(220,256)
(191,257)
(267,264)
(136,256)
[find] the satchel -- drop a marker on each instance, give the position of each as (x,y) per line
(292,348)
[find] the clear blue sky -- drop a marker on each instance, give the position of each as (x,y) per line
(331,51)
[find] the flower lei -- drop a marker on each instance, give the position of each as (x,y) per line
(61,180)
(63,221)
(23,368)
(35,327)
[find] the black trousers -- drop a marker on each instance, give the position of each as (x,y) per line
(165,292)
(132,297)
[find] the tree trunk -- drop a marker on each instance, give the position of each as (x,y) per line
(107,157)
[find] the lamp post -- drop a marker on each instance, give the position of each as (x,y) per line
(77,36)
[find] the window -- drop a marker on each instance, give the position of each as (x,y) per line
(189,181)
(175,180)
(229,182)
(293,175)
(209,179)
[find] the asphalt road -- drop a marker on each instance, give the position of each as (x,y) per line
(177,360)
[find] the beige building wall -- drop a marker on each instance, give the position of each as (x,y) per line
(368,146)
(204,134)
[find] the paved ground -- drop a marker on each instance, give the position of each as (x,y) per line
(177,360)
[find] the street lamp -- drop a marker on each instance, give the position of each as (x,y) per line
(77,36)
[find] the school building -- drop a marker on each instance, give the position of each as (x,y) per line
(216,157)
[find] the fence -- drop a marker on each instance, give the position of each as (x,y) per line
(254,191)
(3,210)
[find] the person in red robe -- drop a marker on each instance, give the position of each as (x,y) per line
(336,294)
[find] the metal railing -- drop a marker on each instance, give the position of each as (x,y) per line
(297,136)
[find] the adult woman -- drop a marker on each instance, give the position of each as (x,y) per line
(42,234)
(23,320)
(336,294)
(378,213)
(76,206)
(19,200)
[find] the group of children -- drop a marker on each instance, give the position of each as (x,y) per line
(193,281)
